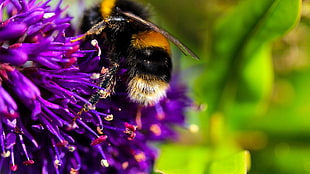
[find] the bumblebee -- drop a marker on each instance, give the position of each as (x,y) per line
(123,30)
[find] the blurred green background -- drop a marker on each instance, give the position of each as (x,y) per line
(251,87)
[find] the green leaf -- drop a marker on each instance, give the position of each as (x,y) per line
(181,159)
(241,68)
(279,17)
(282,158)
(236,164)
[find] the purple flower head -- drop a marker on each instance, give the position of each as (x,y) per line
(45,82)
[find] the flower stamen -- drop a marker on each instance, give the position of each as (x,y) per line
(125,165)
(74,171)
(140,156)
(99,140)
(71,148)
(138,117)
(57,163)
(104,163)
(160,112)
(109,117)
(17,130)
(155,128)
(13,166)
(62,143)
(130,131)
(28,161)
(5,154)
(94,43)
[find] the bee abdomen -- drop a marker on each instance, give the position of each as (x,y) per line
(147,89)
(150,66)
(149,75)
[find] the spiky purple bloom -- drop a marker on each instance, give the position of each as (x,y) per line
(45,79)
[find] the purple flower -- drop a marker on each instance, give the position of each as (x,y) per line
(45,80)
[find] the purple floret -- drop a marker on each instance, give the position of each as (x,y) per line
(45,81)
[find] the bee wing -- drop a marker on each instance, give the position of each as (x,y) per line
(179,44)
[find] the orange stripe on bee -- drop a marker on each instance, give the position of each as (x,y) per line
(106,7)
(150,38)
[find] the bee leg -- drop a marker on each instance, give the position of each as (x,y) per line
(107,82)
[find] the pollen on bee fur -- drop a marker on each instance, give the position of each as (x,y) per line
(146,91)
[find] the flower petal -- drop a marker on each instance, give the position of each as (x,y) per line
(12,31)
(8,106)
(15,57)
